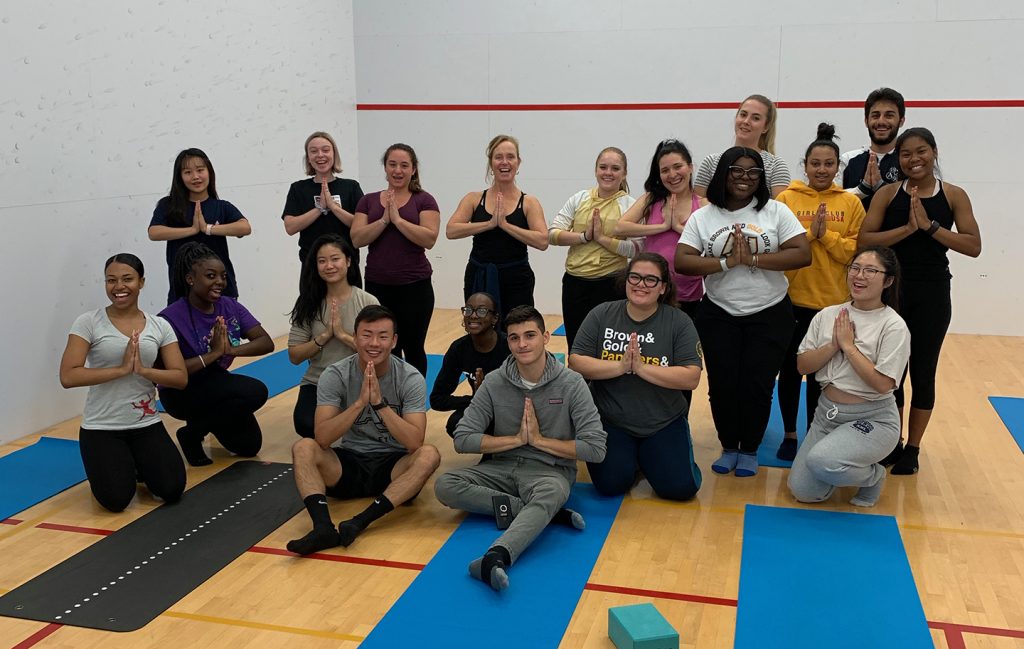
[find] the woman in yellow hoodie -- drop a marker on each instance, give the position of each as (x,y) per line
(833,218)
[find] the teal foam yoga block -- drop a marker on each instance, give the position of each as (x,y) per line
(640,626)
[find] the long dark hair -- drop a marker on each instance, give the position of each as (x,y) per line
(891,293)
(188,256)
(669,296)
(176,203)
(716,188)
(414,182)
(312,287)
(128,259)
(656,190)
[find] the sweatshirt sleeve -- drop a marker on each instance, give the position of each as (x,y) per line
(469,433)
(441,397)
(591,438)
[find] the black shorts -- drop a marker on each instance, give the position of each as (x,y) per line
(363,475)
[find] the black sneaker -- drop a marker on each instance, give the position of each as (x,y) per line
(907,464)
(787,449)
(894,456)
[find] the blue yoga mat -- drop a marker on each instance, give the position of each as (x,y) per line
(1011,411)
(560,331)
(846,582)
(445,607)
(31,475)
(775,431)
(433,367)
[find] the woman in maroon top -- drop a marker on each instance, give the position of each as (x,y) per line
(400,224)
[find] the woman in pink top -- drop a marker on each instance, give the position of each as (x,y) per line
(660,214)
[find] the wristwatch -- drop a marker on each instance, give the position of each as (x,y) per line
(380,406)
(932,230)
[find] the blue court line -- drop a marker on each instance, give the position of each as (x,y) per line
(775,431)
(31,475)
(1011,411)
(814,578)
(446,608)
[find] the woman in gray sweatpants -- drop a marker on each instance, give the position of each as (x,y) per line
(858,350)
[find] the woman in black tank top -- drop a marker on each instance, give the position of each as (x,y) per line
(504,223)
(921,219)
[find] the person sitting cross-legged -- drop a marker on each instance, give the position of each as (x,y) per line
(375,404)
(544,420)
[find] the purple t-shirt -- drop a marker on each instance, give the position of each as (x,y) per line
(193,327)
(393,259)
(689,288)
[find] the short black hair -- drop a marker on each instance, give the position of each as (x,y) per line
(376,313)
(885,94)
(524,313)
(128,259)
(716,188)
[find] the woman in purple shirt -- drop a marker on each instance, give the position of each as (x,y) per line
(210,327)
(400,224)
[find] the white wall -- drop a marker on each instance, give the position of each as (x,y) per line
(625,51)
(97,101)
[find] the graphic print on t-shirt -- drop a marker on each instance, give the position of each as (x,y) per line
(614,344)
(721,241)
(370,417)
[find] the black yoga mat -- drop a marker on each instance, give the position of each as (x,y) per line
(128,578)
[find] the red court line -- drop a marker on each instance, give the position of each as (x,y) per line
(981,630)
(11,521)
(382,563)
(74,528)
(36,637)
(696,105)
(661,594)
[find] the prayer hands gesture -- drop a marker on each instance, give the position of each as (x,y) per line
(740,253)
(371,385)
(335,327)
(499,219)
(872,176)
(818,227)
(476,379)
(198,222)
(844,331)
(390,210)
(220,344)
(326,200)
(631,359)
(918,216)
(529,430)
(668,214)
(594,231)
(130,362)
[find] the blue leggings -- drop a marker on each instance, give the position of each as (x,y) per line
(665,458)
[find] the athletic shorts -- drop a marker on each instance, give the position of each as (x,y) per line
(363,475)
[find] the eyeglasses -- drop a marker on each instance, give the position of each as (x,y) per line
(754,173)
(649,281)
(480,311)
(867,271)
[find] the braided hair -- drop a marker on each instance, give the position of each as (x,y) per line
(188,256)
(312,287)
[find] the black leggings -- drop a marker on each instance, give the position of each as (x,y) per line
(516,282)
(790,379)
(665,458)
(304,415)
(413,306)
(115,460)
(743,355)
(580,295)
(219,402)
(926,308)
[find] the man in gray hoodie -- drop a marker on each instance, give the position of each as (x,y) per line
(544,421)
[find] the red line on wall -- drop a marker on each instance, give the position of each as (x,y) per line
(38,636)
(697,105)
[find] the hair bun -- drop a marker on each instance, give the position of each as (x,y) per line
(826,132)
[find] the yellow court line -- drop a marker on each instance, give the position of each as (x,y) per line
(262,626)
(31,523)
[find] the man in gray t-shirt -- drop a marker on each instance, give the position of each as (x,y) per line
(375,404)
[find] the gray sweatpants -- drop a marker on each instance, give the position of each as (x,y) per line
(537,492)
(843,448)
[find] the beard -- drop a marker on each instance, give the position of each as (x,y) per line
(885,140)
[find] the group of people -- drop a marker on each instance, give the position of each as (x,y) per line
(739,270)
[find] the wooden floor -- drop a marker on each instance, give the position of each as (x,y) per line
(961,518)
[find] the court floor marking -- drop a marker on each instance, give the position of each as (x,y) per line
(952,630)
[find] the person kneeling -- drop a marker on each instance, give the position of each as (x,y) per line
(859,351)
(546,420)
(375,403)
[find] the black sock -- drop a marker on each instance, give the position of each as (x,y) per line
(350,529)
(323,535)
(192,446)
(569,518)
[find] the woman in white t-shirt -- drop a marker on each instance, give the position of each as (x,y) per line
(859,350)
(114,351)
(745,319)
(754,126)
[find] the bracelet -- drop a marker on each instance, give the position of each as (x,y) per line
(865,188)
(209,229)
(317,343)
(202,361)
(583,235)
(724,263)
(934,228)
(753,266)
